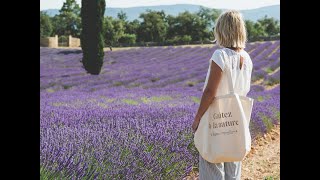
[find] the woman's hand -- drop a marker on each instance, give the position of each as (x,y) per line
(195,123)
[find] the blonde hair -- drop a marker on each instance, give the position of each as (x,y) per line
(230,30)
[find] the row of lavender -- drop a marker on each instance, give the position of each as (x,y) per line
(96,127)
(116,133)
(147,67)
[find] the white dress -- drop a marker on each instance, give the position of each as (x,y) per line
(241,79)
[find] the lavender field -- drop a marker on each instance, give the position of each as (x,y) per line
(133,121)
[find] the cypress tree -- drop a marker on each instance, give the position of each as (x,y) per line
(92,42)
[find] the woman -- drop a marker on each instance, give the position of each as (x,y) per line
(230,34)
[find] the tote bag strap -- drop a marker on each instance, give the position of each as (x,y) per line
(229,77)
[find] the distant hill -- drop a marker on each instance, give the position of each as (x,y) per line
(255,14)
(134,12)
(51,12)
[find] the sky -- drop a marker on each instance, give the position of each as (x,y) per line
(219,4)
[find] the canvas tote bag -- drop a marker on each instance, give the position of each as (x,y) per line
(223,132)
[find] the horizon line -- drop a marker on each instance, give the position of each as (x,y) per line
(179,4)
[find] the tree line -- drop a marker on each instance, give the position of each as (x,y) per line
(156,27)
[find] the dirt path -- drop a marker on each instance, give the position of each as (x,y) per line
(263,162)
(264,158)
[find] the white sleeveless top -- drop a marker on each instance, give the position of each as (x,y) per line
(241,78)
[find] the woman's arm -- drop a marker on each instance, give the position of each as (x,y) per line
(209,93)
